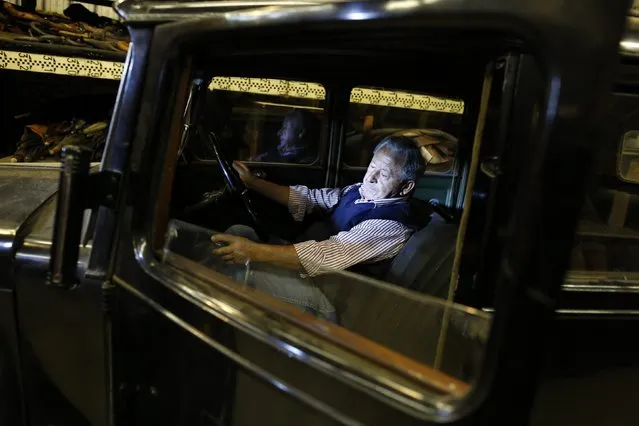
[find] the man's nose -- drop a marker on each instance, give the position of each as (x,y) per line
(371,177)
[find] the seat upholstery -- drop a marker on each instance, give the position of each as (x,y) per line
(407,325)
(424,265)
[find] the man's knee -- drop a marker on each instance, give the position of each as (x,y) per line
(243,231)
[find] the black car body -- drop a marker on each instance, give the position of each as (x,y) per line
(128,329)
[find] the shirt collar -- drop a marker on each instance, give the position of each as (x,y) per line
(380,202)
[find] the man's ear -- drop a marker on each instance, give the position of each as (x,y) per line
(407,188)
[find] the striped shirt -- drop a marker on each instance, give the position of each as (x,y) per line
(369,241)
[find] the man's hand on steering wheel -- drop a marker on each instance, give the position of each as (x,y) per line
(244,173)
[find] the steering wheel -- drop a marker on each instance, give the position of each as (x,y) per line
(232,178)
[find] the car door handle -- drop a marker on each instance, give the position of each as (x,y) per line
(67,227)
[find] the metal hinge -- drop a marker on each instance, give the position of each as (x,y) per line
(78,190)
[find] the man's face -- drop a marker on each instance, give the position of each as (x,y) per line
(382,179)
(289,134)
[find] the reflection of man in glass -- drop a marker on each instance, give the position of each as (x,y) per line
(298,138)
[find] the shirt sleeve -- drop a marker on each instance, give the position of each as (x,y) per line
(302,200)
(369,241)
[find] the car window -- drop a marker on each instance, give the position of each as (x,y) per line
(408,323)
(607,242)
(265,120)
(357,265)
(374,113)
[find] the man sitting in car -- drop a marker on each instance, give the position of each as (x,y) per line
(367,225)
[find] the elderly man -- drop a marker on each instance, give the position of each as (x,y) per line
(367,225)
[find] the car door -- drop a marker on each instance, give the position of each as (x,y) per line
(588,347)
(184,344)
(597,312)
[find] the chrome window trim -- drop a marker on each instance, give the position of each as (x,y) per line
(581,312)
(601,281)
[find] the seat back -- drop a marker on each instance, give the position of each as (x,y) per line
(410,326)
(425,263)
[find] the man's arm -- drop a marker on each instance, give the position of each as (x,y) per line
(371,240)
(278,255)
(239,249)
(277,193)
(299,199)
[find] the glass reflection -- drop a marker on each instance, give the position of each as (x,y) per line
(423,328)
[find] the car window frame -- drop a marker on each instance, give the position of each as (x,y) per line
(395,368)
(147,256)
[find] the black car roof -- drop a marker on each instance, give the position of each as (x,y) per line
(174,10)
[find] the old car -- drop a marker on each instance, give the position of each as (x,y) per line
(515,299)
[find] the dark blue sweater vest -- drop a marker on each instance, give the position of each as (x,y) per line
(349,213)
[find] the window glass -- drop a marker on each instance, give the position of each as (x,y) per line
(607,241)
(383,313)
(372,261)
(375,113)
(266,120)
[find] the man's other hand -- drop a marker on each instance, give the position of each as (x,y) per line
(239,249)
(245,174)
(236,249)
